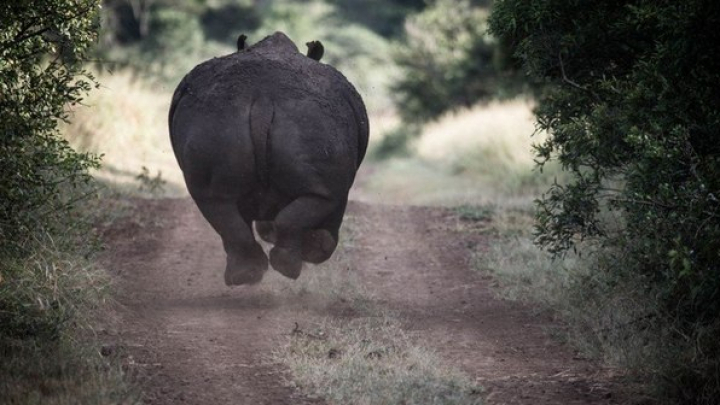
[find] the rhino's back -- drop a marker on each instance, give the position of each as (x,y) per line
(319,123)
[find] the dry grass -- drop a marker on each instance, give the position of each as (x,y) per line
(49,302)
(484,138)
(126,122)
(371,360)
(481,155)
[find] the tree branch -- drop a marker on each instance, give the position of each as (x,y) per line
(567,80)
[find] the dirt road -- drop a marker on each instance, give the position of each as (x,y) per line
(190,339)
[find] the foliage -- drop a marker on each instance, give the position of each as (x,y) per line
(631,109)
(448,60)
(42,46)
(395,142)
(179,35)
(48,288)
(162,40)
(384,17)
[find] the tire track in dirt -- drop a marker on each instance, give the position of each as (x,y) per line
(190,339)
(419,264)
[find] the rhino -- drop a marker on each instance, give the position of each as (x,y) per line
(271,137)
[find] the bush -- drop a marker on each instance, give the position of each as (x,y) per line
(448,60)
(384,17)
(42,47)
(631,108)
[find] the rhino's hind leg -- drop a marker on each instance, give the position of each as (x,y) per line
(317,246)
(291,225)
(246,260)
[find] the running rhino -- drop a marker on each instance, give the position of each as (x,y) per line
(271,136)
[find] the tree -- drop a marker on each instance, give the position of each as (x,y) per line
(631,110)
(43,44)
(448,60)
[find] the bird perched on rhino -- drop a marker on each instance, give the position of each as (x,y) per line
(316,50)
(269,136)
(241,42)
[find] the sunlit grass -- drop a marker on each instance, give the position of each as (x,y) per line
(480,155)
(125,121)
(483,139)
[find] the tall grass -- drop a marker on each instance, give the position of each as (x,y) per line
(52,299)
(479,155)
(125,121)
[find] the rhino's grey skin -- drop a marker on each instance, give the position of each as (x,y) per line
(268,134)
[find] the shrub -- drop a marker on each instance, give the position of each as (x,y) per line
(449,61)
(631,108)
(42,47)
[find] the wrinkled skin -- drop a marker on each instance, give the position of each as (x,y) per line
(271,136)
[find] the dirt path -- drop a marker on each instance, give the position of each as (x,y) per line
(192,340)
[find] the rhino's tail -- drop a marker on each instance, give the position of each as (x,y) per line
(262,113)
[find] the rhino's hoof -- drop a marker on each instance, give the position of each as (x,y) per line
(286,261)
(247,268)
(318,245)
(239,278)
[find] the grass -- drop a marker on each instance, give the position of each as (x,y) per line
(65,373)
(371,360)
(361,354)
(50,303)
(606,315)
(482,155)
(125,121)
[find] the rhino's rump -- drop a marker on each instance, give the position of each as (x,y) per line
(308,143)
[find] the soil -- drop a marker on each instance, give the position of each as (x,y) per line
(190,339)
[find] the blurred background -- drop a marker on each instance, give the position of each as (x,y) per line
(450,116)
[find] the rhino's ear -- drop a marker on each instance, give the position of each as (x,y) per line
(241,42)
(315,50)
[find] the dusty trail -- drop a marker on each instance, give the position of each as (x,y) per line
(192,340)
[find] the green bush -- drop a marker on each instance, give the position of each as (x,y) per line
(384,17)
(42,47)
(448,60)
(631,108)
